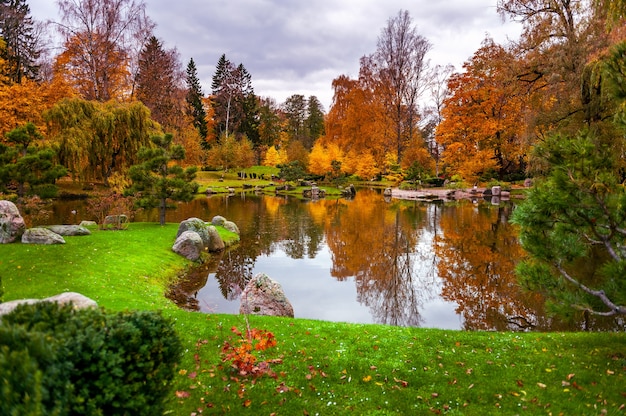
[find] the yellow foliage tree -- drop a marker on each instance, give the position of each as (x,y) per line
(275,157)
(321,158)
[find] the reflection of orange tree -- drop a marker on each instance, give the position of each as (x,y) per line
(477,250)
(377,244)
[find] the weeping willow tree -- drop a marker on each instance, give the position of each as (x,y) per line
(96,140)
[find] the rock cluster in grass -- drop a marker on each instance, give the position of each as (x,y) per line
(78,301)
(229,225)
(264,296)
(13,228)
(194,236)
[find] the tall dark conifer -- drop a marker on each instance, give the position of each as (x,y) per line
(315,119)
(234,103)
(194,101)
(18,30)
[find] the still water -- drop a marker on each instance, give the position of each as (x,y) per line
(373,260)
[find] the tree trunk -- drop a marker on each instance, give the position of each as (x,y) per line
(162,209)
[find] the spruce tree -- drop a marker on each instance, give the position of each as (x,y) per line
(315,120)
(234,103)
(18,30)
(195,107)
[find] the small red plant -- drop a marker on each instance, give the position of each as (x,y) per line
(242,356)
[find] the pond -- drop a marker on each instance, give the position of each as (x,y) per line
(372,259)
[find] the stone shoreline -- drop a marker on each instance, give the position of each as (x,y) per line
(439,194)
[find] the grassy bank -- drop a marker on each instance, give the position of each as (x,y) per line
(321,367)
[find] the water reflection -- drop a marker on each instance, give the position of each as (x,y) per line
(369,260)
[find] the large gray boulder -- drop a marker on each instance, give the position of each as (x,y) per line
(78,302)
(196,225)
(189,245)
(12,224)
(69,230)
(40,235)
(215,241)
(264,296)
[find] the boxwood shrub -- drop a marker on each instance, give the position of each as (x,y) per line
(57,360)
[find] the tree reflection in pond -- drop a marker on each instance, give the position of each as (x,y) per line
(368,260)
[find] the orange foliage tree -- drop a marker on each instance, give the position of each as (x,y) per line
(24,102)
(102,40)
(483,119)
(357,124)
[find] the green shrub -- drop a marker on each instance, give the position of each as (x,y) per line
(46,190)
(96,363)
(408,186)
(33,377)
(505,186)
(436,182)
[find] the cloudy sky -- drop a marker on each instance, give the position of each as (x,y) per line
(300,46)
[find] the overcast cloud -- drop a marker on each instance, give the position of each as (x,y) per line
(299,47)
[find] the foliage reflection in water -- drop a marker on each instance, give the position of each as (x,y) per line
(372,260)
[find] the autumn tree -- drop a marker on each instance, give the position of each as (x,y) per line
(400,67)
(22,37)
(231,153)
(102,39)
(96,139)
(297,152)
(25,102)
(195,102)
(558,39)
(275,157)
(357,123)
(322,158)
(158,83)
(159,179)
(483,126)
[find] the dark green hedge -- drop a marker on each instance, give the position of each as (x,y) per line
(60,361)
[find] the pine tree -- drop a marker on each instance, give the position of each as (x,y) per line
(315,120)
(24,163)
(195,107)
(234,103)
(157,180)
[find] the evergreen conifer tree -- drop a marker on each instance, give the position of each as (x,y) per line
(195,106)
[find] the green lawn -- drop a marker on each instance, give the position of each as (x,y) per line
(322,367)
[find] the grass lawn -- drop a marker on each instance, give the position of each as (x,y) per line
(322,367)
